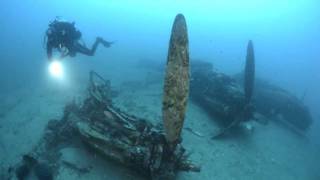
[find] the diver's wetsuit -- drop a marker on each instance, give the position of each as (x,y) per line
(65,37)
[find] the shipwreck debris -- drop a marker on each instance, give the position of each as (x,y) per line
(135,142)
(116,135)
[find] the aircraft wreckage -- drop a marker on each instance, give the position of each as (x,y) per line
(236,100)
(153,151)
(221,96)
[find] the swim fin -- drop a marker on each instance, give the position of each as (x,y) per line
(104,42)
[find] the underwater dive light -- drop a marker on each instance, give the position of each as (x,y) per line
(55,69)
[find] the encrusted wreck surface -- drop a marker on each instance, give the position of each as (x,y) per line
(216,92)
(115,135)
(223,96)
(273,101)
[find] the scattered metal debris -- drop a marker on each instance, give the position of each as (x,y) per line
(74,167)
(194,132)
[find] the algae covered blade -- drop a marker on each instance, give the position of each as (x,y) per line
(176,84)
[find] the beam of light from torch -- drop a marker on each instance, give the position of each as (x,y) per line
(56,69)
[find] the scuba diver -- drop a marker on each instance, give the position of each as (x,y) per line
(64,37)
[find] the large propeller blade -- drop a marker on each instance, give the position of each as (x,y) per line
(176,84)
(249,73)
